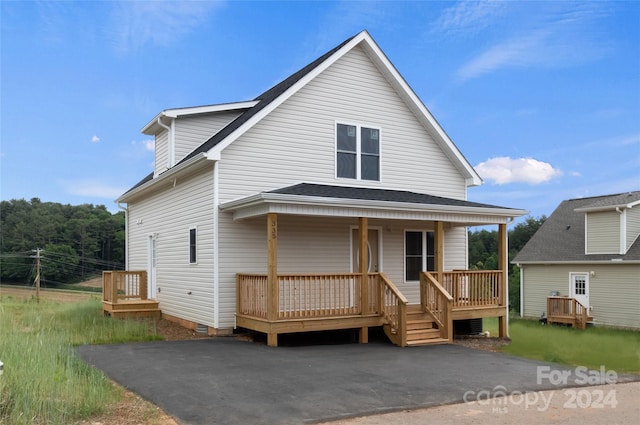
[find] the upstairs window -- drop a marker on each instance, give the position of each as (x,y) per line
(357,152)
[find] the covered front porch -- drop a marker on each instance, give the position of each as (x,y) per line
(360,298)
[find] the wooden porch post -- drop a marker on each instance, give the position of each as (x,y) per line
(439,247)
(272,275)
(502,266)
(363,228)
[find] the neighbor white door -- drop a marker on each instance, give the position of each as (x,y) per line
(151,267)
(580,287)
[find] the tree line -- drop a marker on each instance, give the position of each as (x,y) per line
(483,252)
(77,242)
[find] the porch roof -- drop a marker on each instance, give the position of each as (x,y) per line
(349,201)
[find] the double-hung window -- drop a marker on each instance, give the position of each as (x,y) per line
(357,152)
(418,253)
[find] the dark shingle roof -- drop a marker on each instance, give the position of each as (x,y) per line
(614,200)
(562,236)
(371,194)
(264,99)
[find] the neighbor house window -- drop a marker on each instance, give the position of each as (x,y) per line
(418,254)
(357,152)
(193,245)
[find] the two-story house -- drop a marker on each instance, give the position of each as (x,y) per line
(320,204)
(588,250)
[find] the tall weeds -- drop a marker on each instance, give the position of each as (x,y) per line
(44,382)
(615,349)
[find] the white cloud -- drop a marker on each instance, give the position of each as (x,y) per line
(93,188)
(95,139)
(556,38)
(138,23)
(149,145)
(503,170)
(468,17)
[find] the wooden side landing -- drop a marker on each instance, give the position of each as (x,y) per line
(132,309)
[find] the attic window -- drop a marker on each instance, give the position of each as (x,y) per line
(357,152)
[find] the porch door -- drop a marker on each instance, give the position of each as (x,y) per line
(373,255)
(580,287)
(151,267)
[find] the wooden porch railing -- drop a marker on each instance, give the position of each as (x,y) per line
(306,295)
(474,288)
(252,295)
(393,308)
(567,310)
(124,285)
(436,301)
(318,295)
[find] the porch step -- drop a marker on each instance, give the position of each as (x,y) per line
(419,324)
(132,309)
(135,313)
(421,330)
(424,333)
(430,341)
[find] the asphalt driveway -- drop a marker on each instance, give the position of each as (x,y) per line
(229,381)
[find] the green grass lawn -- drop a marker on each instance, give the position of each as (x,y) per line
(615,349)
(44,382)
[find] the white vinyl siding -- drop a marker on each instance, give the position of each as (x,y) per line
(192,131)
(633,226)
(296,142)
(603,232)
(614,290)
(162,152)
(185,290)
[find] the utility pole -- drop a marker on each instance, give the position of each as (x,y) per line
(38,274)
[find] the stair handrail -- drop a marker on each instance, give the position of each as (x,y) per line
(436,301)
(581,314)
(394,308)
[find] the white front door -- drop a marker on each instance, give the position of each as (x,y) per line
(373,255)
(580,287)
(151,267)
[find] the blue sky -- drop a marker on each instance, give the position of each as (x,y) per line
(543,98)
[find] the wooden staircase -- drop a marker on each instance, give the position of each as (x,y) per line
(421,329)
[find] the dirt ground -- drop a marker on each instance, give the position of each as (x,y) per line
(132,409)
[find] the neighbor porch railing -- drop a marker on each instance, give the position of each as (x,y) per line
(124,285)
(567,310)
(436,301)
(474,288)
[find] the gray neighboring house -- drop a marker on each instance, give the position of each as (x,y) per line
(588,249)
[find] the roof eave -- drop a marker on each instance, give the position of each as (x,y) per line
(267,197)
(171,173)
(556,262)
(608,207)
(150,128)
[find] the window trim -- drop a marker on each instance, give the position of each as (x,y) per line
(359,127)
(193,245)
(425,253)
